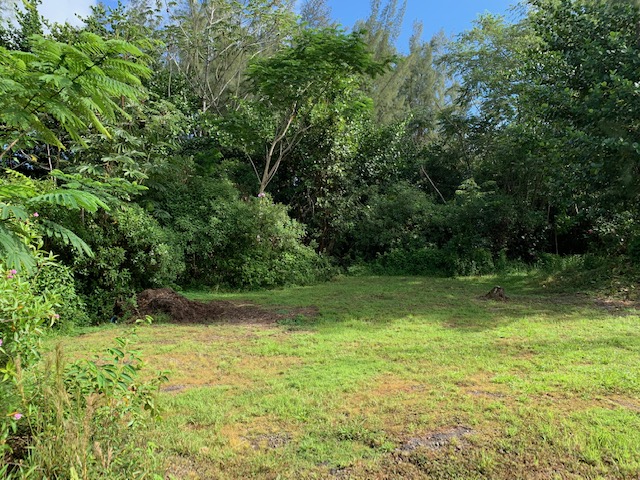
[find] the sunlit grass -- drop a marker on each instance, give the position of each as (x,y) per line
(545,386)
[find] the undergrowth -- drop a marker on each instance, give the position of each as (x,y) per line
(82,419)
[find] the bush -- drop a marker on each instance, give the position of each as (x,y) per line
(634,251)
(131,252)
(403,218)
(232,241)
(24,314)
(423,261)
(476,261)
(84,419)
(55,279)
(259,246)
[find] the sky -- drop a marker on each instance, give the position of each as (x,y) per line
(452,16)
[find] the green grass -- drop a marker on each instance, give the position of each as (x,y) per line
(545,386)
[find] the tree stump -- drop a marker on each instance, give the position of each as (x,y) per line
(497,294)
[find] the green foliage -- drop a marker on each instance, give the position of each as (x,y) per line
(319,62)
(318,75)
(131,253)
(24,315)
(21,227)
(234,242)
(84,419)
(73,85)
(55,280)
(402,217)
(428,260)
(269,249)
(634,251)
(552,117)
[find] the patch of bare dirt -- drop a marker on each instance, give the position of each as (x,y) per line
(179,309)
(173,388)
(434,441)
(269,441)
(622,402)
(618,307)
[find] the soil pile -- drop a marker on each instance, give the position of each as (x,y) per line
(497,294)
(179,309)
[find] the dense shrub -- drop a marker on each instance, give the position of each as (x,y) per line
(402,218)
(423,261)
(634,251)
(232,241)
(81,419)
(54,279)
(403,231)
(131,252)
(24,315)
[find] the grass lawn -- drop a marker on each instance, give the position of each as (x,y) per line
(399,378)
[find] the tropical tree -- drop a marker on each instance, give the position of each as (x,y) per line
(210,43)
(319,73)
(51,90)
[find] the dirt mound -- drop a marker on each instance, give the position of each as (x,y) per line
(179,309)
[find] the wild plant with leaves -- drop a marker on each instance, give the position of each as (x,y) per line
(83,419)
(57,86)
(21,224)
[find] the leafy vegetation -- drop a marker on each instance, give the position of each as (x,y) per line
(240,146)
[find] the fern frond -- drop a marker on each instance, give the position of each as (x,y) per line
(72,199)
(13,252)
(12,211)
(52,229)
(14,191)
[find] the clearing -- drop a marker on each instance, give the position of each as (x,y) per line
(393,377)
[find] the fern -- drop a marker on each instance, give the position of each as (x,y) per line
(12,211)
(77,85)
(52,229)
(71,199)
(19,196)
(13,252)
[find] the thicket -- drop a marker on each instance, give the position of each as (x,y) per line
(255,148)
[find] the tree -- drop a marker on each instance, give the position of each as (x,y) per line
(380,32)
(552,112)
(210,43)
(67,86)
(316,14)
(57,87)
(321,70)
(18,24)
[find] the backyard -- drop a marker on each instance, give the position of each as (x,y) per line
(397,377)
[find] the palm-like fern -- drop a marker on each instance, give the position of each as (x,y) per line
(20,199)
(57,85)
(75,85)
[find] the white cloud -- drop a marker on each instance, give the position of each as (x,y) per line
(65,10)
